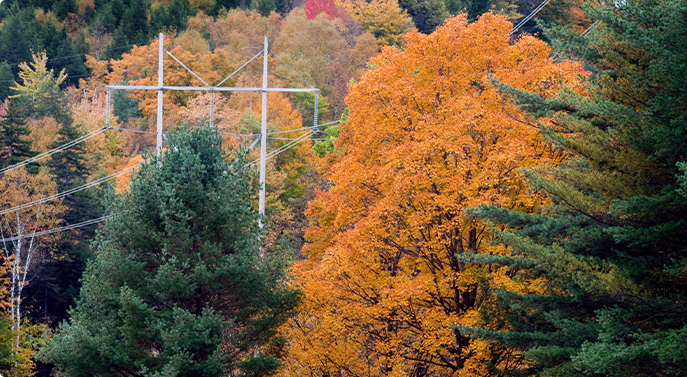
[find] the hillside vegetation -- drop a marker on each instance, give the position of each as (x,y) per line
(480,188)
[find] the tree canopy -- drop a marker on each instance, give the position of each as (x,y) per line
(178,285)
(426,137)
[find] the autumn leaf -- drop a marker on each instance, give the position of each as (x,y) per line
(427,137)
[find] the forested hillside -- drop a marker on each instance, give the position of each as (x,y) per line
(479,188)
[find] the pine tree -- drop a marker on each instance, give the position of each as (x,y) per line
(16,36)
(118,46)
(426,14)
(607,258)
(62,8)
(14,147)
(57,44)
(135,21)
(56,285)
(174,16)
(6,80)
(68,166)
(178,286)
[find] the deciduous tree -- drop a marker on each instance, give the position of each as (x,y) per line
(427,137)
(383,18)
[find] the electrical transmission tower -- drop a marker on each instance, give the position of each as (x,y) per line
(217,88)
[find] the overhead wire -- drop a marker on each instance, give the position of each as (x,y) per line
(278,132)
(291,138)
(529,16)
(589,29)
(70,191)
(55,150)
(281,149)
(60,229)
(135,131)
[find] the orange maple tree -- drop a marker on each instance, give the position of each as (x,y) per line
(428,136)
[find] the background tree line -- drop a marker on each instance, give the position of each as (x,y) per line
(459,220)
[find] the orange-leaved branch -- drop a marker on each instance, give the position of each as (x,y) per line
(428,136)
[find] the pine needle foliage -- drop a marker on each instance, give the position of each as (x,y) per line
(611,248)
(178,286)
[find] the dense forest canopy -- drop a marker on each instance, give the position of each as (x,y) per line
(479,188)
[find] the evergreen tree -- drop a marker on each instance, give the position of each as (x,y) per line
(608,256)
(14,147)
(118,46)
(62,8)
(426,14)
(178,285)
(227,4)
(69,166)
(6,80)
(178,13)
(16,37)
(57,44)
(175,16)
(475,8)
(105,18)
(265,6)
(135,21)
(56,285)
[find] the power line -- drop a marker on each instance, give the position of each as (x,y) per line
(290,138)
(53,151)
(136,131)
(283,148)
(589,29)
(279,132)
(529,16)
(60,229)
(293,70)
(70,191)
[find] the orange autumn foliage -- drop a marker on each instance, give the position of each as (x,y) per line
(428,136)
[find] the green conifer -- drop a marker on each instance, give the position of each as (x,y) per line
(6,80)
(178,285)
(610,251)
(426,14)
(14,147)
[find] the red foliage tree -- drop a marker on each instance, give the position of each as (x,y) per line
(314,7)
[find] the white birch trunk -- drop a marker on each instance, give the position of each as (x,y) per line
(19,249)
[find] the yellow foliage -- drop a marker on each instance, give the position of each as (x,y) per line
(43,132)
(383,18)
(428,136)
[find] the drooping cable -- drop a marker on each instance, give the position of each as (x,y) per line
(135,131)
(53,151)
(589,29)
(60,229)
(529,16)
(278,132)
(71,191)
(281,149)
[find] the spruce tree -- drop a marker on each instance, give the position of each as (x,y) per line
(426,14)
(57,44)
(16,36)
(14,147)
(178,285)
(135,21)
(6,80)
(609,255)
(56,285)
(118,46)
